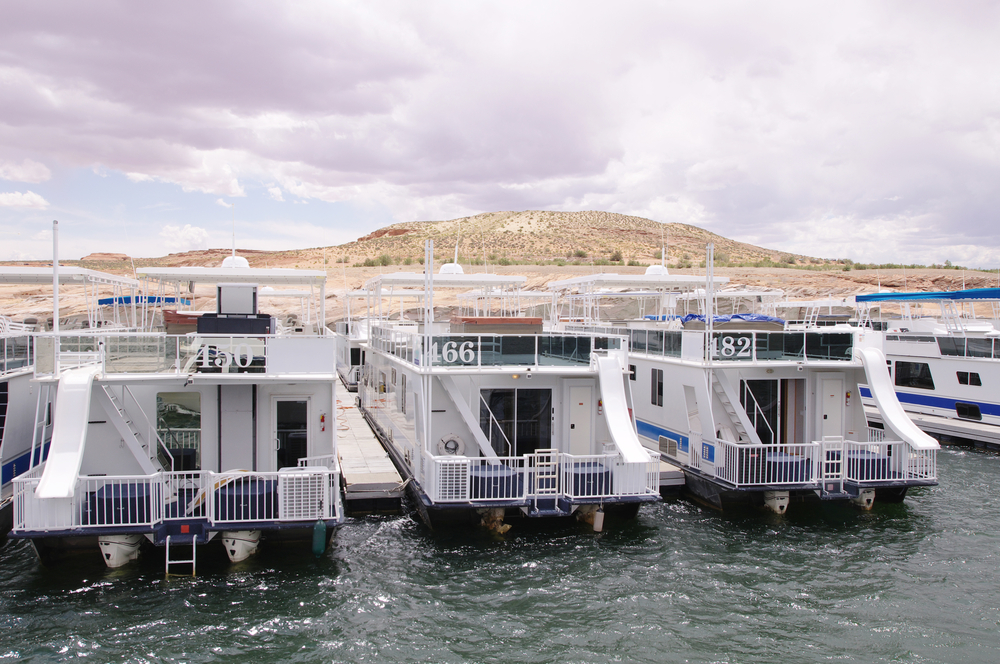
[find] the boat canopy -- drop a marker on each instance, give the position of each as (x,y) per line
(970,294)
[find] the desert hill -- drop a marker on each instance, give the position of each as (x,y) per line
(542,246)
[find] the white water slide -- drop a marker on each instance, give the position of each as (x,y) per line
(616,411)
(69,433)
(884,393)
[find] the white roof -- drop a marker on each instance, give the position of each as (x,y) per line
(67,275)
(414,280)
(643,282)
(232,275)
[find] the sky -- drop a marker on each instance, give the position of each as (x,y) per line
(862,130)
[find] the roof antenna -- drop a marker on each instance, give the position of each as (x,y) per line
(233,205)
(663,249)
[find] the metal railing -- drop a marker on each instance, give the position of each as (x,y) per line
(524,478)
(16,352)
(495,426)
(748,346)
(223,499)
(153,353)
(463,350)
(809,464)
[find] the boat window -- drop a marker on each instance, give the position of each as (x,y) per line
(178,423)
(393,376)
(979,347)
(951,346)
(402,393)
(656,387)
(631,372)
(967,378)
(968,411)
(355,357)
(914,374)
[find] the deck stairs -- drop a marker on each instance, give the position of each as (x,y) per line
(152,460)
(728,395)
(951,318)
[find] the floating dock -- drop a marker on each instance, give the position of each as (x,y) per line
(671,477)
(371,483)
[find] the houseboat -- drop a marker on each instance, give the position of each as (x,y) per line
(22,425)
(753,412)
(490,419)
(220,435)
(944,359)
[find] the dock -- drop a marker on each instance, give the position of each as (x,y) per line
(372,485)
(671,477)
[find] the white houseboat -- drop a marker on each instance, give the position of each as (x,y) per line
(220,434)
(22,426)
(753,412)
(944,360)
(490,418)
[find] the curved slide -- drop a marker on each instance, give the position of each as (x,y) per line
(69,433)
(893,415)
(616,411)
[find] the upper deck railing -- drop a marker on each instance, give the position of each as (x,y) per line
(746,346)
(17,352)
(486,350)
(153,353)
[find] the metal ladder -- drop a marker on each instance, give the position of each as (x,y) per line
(168,561)
(546,466)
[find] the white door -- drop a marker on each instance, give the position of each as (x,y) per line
(236,428)
(831,406)
(580,409)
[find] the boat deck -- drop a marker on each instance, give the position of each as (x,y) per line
(982,435)
(371,483)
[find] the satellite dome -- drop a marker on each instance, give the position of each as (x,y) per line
(451,268)
(659,270)
(235,261)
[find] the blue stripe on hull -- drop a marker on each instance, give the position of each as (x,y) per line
(653,432)
(931,401)
(19,465)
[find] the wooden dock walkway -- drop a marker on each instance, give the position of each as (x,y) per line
(372,484)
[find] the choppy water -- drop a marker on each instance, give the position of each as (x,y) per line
(916,582)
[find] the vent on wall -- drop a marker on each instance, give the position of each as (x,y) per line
(668,446)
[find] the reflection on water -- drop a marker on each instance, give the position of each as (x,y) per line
(906,582)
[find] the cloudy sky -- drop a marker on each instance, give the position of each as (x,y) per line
(864,130)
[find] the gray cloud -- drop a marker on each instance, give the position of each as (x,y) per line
(776,122)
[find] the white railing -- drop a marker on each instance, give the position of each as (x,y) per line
(810,464)
(543,475)
(180,438)
(152,353)
(222,499)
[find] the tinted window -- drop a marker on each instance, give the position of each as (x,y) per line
(914,374)
(968,411)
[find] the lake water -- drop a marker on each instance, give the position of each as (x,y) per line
(915,582)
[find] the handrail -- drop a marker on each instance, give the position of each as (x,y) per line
(151,432)
(495,421)
(757,411)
